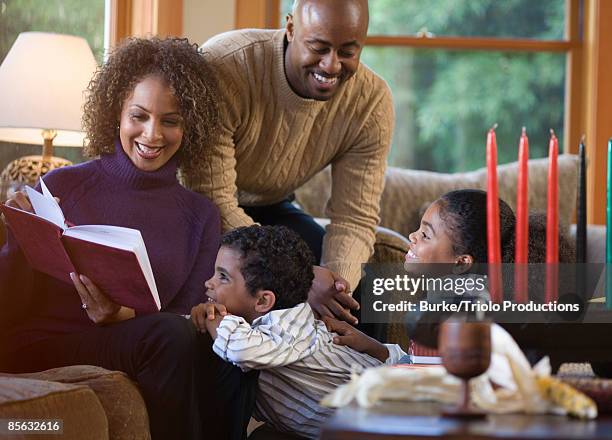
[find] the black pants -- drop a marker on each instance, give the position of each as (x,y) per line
(189,391)
(287,214)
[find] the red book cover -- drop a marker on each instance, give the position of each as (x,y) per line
(420,350)
(41,242)
(116,272)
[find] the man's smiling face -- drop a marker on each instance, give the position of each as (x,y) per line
(325,39)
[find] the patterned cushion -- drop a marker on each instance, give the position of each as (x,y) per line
(77,405)
(121,401)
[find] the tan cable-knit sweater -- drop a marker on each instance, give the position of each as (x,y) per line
(273,141)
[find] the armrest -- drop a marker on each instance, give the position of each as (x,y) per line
(390,246)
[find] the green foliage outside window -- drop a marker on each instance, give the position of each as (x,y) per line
(84,18)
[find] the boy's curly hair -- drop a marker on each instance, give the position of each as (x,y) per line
(273,258)
(176,62)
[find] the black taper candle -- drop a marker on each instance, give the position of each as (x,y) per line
(581,220)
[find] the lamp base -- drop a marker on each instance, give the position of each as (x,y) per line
(28,169)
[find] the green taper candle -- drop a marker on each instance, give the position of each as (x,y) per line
(609,229)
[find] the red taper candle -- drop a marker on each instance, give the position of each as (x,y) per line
(522,222)
(493,235)
(552,221)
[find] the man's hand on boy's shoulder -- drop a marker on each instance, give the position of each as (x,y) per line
(330,295)
(353,338)
(205,316)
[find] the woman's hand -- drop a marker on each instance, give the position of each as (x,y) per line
(353,338)
(204,312)
(20,200)
(99,308)
(330,296)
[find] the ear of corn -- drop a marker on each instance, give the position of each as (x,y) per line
(573,401)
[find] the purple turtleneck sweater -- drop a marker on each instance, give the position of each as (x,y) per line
(181,230)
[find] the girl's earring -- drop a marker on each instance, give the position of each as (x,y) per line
(461,266)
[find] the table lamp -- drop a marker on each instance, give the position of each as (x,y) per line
(42,84)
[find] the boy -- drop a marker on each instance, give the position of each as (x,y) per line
(259,319)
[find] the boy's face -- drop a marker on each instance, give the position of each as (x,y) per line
(430,244)
(227,286)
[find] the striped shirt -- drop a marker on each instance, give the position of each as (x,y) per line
(300,364)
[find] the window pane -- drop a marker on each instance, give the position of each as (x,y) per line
(445,101)
(285,8)
(84,18)
(542,19)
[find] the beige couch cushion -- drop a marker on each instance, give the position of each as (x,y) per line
(124,407)
(77,405)
(408,192)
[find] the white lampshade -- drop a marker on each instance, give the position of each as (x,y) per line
(42,84)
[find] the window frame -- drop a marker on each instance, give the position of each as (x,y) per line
(571,45)
(588,97)
(144,18)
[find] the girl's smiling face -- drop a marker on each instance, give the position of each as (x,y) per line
(431,242)
(431,247)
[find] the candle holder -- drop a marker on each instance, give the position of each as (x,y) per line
(465,348)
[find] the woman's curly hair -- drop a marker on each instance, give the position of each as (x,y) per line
(273,258)
(176,62)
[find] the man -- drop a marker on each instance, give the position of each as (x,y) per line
(294,101)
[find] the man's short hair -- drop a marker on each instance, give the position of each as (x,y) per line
(295,5)
(273,258)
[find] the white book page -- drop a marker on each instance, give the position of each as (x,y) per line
(119,238)
(143,258)
(45,205)
(114,236)
(428,360)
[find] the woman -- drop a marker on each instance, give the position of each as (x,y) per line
(151,110)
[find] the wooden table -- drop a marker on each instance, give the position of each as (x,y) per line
(422,421)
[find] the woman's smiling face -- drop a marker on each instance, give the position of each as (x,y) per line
(151,127)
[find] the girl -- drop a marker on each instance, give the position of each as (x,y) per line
(452,239)
(453,231)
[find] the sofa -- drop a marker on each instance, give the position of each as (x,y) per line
(407,193)
(96,403)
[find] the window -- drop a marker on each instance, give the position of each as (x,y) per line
(543,19)
(456,67)
(84,18)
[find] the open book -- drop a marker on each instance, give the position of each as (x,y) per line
(114,258)
(419,354)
